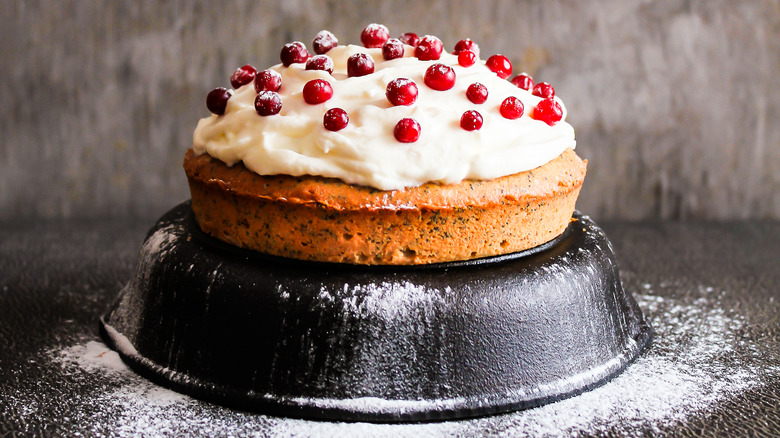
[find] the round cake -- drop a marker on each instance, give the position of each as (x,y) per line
(395,152)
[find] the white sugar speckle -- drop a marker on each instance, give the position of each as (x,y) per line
(93,356)
(150,395)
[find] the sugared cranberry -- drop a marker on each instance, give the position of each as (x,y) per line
(317,91)
(429,48)
(268,80)
(320,62)
(544,90)
(500,65)
(401,91)
(407,130)
(374,35)
(393,49)
(323,42)
(471,120)
(548,111)
(440,77)
(335,119)
(294,52)
(410,38)
(524,81)
(466,44)
(477,93)
(242,76)
(268,103)
(512,108)
(359,64)
(467,58)
(217,99)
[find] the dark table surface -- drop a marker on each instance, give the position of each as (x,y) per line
(710,290)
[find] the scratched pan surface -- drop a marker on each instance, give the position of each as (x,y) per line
(330,341)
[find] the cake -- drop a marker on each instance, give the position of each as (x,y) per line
(393,152)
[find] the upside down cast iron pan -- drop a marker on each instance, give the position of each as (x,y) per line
(355,343)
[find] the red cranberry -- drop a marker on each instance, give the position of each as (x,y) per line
(500,65)
(549,111)
(293,52)
(374,35)
(317,91)
(268,103)
(393,49)
(440,77)
(512,108)
(335,119)
(544,90)
(429,48)
(320,62)
(466,44)
(524,81)
(410,38)
(269,80)
(242,76)
(401,91)
(217,99)
(359,64)
(477,93)
(323,42)
(471,120)
(467,58)
(407,130)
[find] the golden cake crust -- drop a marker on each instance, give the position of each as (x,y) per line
(322,219)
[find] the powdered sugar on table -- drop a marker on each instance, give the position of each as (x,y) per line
(689,370)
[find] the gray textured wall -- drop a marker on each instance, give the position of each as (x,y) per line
(676,103)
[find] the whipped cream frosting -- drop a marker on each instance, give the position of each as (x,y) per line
(294,142)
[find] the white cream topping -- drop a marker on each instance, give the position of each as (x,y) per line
(294,142)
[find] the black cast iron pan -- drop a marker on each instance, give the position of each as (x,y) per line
(356,343)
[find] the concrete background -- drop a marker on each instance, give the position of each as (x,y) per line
(676,103)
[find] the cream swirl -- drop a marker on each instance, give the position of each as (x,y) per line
(294,142)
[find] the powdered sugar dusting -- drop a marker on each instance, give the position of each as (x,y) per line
(161,240)
(386,300)
(92,356)
(155,249)
(684,375)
